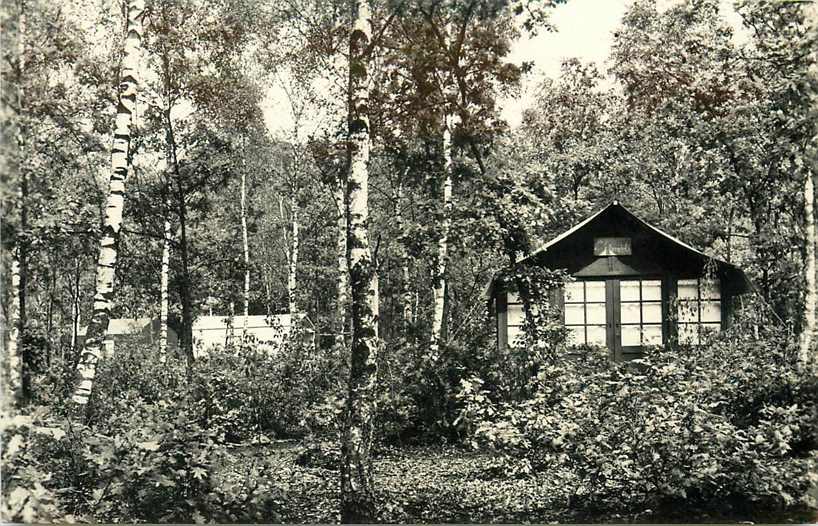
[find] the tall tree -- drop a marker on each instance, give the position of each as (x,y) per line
(357,485)
(18,375)
(112,223)
(810,292)
(164,279)
(808,334)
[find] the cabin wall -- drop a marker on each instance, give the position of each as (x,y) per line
(509,313)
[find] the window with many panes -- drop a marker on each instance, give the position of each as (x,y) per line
(640,315)
(699,312)
(585,312)
(515,320)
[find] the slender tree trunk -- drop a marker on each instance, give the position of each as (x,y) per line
(406,293)
(164,281)
(443,245)
(807,350)
(19,379)
(357,485)
(245,245)
(808,331)
(106,264)
(170,169)
(22,253)
(342,294)
(730,234)
(292,282)
(49,322)
(75,306)
(185,283)
(15,365)
(186,338)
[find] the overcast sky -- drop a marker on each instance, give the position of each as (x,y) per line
(584,30)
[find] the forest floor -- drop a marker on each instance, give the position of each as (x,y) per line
(432,485)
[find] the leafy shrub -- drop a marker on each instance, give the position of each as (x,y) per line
(236,393)
(155,446)
(730,422)
(30,493)
(159,465)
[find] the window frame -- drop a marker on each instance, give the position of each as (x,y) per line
(606,302)
(699,300)
(641,302)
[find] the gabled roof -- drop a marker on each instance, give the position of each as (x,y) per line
(616,208)
(614,204)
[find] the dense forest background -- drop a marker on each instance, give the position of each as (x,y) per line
(709,137)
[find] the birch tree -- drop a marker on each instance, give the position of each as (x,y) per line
(18,374)
(438,320)
(112,223)
(808,333)
(164,296)
(244,241)
(357,485)
(340,197)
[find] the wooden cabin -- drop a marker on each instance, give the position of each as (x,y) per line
(627,278)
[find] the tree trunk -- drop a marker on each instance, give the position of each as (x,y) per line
(246,247)
(185,283)
(357,485)
(292,282)
(75,307)
(186,338)
(106,263)
(15,365)
(49,319)
(405,293)
(22,257)
(340,196)
(442,244)
(164,280)
(18,357)
(808,331)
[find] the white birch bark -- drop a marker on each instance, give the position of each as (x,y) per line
(75,306)
(342,293)
(112,223)
(357,491)
(406,294)
(164,281)
(807,353)
(246,246)
(15,364)
(808,331)
(443,243)
(16,306)
(292,277)
(440,278)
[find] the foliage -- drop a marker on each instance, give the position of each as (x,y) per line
(236,393)
(730,422)
(154,450)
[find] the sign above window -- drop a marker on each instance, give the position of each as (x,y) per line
(612,246)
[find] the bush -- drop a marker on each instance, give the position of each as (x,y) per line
(158,465)
(731,422)
(30,492)
(236,393)
(156,444)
